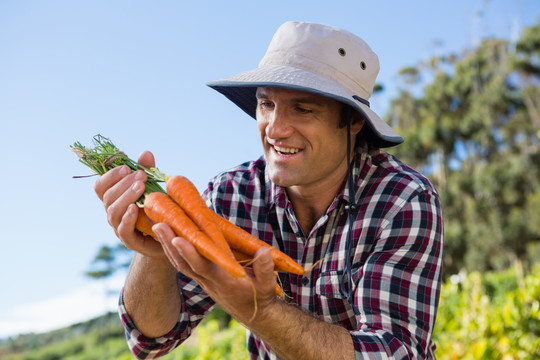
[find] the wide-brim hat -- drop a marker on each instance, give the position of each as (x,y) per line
(319,59)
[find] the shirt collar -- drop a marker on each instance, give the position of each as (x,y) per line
(276,195)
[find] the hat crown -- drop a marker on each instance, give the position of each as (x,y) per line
(331,52)
(319,59)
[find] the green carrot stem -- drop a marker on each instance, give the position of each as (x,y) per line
(104,156)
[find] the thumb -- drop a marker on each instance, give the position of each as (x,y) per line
(147,160)
(263,266)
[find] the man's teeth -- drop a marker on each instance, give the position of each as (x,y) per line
(283,150)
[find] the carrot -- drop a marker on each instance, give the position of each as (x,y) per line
(161,208)
(185,194)
(279,291)
(144,224)
(244,242)
(242,258)
(223,232)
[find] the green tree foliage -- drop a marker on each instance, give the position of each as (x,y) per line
(475,130)
(108,260)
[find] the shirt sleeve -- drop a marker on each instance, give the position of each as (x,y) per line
(195,305)
(398,287)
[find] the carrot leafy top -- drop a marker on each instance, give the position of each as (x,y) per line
(104,156)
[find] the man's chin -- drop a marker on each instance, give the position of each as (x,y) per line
(281,180)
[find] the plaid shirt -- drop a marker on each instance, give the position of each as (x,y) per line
(396,268)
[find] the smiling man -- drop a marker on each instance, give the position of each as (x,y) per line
(368,226)
(305,149)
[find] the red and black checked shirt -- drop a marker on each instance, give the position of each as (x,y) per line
(396,268)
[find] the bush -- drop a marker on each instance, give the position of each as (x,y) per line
(492,316)
(215,340)
(481,316)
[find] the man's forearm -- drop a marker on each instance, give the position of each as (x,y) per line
(294,334)
(151,295)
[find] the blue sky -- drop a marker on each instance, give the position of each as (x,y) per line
(135,71)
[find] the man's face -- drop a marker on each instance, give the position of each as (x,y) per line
(303,145)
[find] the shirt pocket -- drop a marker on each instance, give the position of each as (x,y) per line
(332,305)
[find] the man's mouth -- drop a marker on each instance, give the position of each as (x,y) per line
(286,151)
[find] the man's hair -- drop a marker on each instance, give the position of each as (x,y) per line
(347,111)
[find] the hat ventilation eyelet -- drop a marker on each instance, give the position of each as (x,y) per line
(363,65)
(342,51)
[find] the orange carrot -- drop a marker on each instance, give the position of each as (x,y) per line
(161,208)
(242,258)
(279,291)
(279,286)
(185,194)
(244,242)
(144,224)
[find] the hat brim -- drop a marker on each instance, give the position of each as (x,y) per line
(241,90)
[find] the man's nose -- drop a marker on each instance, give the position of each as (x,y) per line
(279,124)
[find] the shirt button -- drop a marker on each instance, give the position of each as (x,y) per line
(305,281)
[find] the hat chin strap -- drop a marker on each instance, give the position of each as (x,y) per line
(346,284)
(363,101)
(351,207)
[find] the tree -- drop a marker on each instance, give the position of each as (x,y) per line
(108,260)
(474,130)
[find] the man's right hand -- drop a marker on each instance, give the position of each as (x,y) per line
(119,188)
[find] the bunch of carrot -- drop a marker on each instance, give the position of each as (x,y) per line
(185,211)
(214,237)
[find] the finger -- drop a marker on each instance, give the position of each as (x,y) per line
(165,236)
(146,159)
(132,238)
(113,176)
(127,196)
(116,190)
(263,269)
(200,266)
(126,228)
(109,179)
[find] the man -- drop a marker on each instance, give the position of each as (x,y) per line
(369,226)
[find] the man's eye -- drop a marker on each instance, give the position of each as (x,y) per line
(265,104)
(303,110)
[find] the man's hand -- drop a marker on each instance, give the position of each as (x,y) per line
(119,189)
(286,329)
(242,298)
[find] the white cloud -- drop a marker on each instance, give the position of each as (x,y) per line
(80,304)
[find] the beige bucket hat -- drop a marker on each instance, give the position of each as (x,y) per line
(316,58)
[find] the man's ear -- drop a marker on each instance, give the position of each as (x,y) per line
(357,123)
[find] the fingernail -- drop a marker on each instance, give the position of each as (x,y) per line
(139,175)
(265,258)
(125,170)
